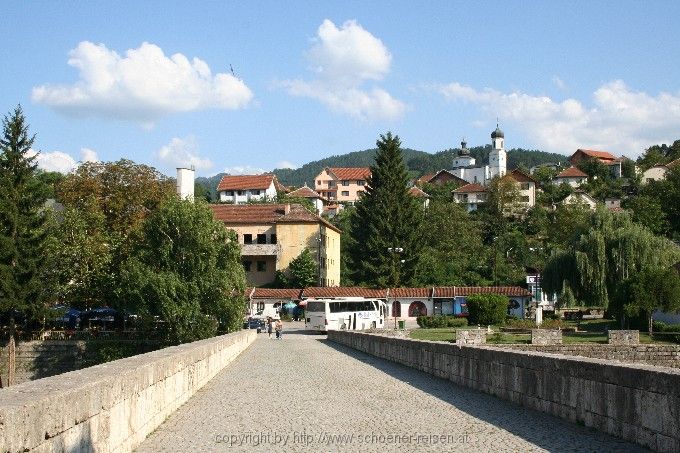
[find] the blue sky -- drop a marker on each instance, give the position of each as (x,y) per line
(153,82)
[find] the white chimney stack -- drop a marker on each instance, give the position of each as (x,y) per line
(185,183)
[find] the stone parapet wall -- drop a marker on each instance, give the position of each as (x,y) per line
(658,355)
(546,336)
(111,407)
(623,337)
(638,403)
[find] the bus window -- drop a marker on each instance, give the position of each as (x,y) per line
(316,306)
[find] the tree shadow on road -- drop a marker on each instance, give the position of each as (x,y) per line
(541,429)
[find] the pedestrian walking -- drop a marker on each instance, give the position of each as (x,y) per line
(269,326)
(279,329)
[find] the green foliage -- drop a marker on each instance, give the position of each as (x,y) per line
(594,168)
(22,221)
(667,194)
(187,272)
(432,322)
(387,217)
(451,259)
(487,309)
(303,271)
(566,299)
(647,211)
(649,290)
(612,250)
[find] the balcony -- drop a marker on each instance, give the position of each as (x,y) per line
(260,249)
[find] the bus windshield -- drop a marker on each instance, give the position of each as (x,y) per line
(316,307)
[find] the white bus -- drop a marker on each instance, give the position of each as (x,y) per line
(349,313)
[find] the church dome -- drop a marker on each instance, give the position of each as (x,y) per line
(463,149)
(497,133)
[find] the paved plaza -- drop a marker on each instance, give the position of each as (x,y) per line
(304,393)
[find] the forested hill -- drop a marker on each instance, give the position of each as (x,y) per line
(418,162)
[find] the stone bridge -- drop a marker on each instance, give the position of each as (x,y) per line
(301,393)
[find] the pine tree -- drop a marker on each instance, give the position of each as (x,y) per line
(22,220)
(387,247)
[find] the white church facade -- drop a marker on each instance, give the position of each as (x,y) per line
(464,165)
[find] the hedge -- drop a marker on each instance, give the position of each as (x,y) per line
(431,322)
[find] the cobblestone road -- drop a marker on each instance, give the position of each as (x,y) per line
(304,393)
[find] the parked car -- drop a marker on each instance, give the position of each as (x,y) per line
(256,323)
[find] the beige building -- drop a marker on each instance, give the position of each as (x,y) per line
(527,187)
(472,195)
(342,185)
(658,172)
(272,235)
(572,176)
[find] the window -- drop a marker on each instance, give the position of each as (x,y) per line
(261,238)
(361,182)
(316,307)
(246,265)
(331,184)
(524,186)
(261,266)
(475,179)
(524,199)
(240,192)
(481,196)
(464,197)
(345,183)
(247,238)
(229,193)
(272,239)
(318,183)
(437,307)
(260,306)
(255,192)
(345,193)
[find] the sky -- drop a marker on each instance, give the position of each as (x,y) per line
(245,87)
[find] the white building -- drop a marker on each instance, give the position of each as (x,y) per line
(464,165)
(582,198)
(472,195)
(317,200)
(572,176)
(185,183)
(658,172)
(244,188)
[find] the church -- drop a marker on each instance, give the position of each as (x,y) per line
(464,165)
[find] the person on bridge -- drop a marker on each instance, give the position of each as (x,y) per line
(270,326)
(279,329)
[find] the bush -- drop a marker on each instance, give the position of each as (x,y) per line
(666,329)
(487,309)
(531,324)
(431,322)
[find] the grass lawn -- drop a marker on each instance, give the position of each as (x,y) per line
(590,331)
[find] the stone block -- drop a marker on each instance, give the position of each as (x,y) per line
(472,336)
(623,337)
(546,336)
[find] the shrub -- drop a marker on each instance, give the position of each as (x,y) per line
(431,322)
(487,309)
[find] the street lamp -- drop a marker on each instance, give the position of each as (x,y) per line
(395,252)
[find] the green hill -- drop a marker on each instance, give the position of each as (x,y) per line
(418,162)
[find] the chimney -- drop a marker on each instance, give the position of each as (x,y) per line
(185,183)
(286,208)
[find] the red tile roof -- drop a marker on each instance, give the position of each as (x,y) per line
(305,192)
(351,173)
(515,291)
(347,291)
(410,292)
(470,188)
(245,182)
(603,155)
(266,213)
(425,178)
(417,192)
(276,293)
(571,172)
(519,176)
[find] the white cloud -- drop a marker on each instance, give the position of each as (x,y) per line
(244,170)
(142,85)
(619,120)
(343,59)
(183,152)
(286,164)
(88,155)
(54,161)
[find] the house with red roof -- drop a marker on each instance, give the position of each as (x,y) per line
(342,184)
(272,235)
(472,195)
(417,192)
(244,188)
(402,303)
(572,176)
(607,158)
(317,200)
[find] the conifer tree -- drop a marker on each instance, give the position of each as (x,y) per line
(22,220)
(387,247)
